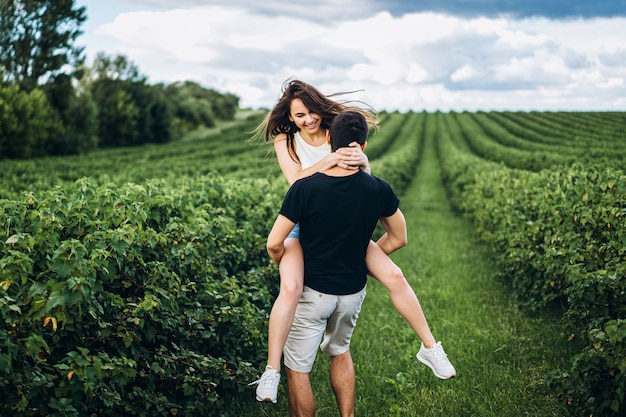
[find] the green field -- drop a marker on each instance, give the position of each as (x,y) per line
(516,251)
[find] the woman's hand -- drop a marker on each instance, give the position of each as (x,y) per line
(352,157)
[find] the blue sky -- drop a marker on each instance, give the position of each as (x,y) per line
(555,9)
(405,55)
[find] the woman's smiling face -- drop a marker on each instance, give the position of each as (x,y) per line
(304,119)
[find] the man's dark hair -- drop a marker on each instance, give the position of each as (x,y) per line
(348,127)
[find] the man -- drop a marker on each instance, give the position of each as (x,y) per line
(337,211)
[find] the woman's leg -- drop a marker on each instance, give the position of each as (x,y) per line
(281,317)
(402,295)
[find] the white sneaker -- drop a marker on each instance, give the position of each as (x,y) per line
(267,388)
(437,360)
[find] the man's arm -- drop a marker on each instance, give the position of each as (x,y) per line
(396,236)
(276,239)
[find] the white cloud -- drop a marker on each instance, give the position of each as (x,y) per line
(414,62)
(465,73)
(416,73)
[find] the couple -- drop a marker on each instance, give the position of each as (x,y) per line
(337,209)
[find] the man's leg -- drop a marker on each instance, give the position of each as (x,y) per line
(343,382)
(301,348)
(336,345)
(300,394)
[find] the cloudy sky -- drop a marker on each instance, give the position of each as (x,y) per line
(404,55)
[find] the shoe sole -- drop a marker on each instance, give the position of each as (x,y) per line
(267,400)
(425,362)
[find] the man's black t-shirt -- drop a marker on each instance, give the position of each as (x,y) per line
(337,216)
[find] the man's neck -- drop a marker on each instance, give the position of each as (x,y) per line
(337,171)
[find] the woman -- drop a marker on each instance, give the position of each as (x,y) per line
(297,125)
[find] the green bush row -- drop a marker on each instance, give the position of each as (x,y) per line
(390,126)
(222,150)
(561,234)
(495,137)
(557,235)
(134,300)
(397,165)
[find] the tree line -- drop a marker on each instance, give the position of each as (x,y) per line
(53,103)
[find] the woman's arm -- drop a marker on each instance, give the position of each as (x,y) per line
(292,169)
(353,157)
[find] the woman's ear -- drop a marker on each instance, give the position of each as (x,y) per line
(364,145)
(328,136)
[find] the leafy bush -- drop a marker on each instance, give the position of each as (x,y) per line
(560,235)
(136,300)
(27,123)
(557,235)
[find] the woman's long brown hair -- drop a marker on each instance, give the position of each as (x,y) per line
(277,120)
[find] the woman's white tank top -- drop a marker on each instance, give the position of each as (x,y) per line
(309,155)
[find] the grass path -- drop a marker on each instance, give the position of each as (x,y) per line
(501,354)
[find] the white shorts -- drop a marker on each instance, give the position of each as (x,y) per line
(319,315)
